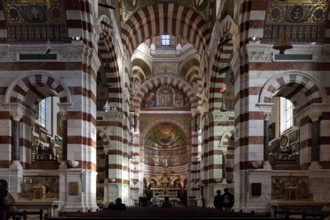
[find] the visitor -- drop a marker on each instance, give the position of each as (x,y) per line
(5,208)
(155,200)
(218,200)
(167,203)
(227,200)
(118,205)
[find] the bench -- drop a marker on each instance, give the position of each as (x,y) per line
(162,213)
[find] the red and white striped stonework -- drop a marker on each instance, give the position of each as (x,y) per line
(249,119)
(79,21)
(22,91)
(3,25)
(165,18)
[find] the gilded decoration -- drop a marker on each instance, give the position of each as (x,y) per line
(129,7)
(165,97)
(290,188)
(165,145)
(37,20)
(301,21)
(165,136)
(39,188)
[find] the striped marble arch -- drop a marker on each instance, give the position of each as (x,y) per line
(292,85)
(166,18)
(19,89)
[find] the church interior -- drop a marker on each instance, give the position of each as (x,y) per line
(103,99)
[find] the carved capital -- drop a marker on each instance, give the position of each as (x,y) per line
(314,116)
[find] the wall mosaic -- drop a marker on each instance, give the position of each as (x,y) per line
(165,145)
(166,98)
(129,7)
(38,20)
(301,21)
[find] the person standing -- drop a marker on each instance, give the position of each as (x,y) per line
(227,200)
(217,202)
(167,203)
(155,200)
(5,208)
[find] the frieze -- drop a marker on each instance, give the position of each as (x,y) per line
(259,53)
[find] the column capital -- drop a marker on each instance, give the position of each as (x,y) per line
(315,116)
(16,115)
(64,107)
(266,108)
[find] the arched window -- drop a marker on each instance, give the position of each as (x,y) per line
(286,114)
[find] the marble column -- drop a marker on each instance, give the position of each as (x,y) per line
(266,135)
(315,131)
(15,168)
(64,134)
(15,156)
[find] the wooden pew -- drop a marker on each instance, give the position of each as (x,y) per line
(25,214)
(162,213)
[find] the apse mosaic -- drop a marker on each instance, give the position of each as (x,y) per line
(129,7)
(165,136)
(300,20)
(37,20)
(166,98)
(165,145)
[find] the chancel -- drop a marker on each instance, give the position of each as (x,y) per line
(124,99)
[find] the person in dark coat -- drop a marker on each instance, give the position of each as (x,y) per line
(217,202)
(167,203)
(118,205)
(4,210)
(227,200)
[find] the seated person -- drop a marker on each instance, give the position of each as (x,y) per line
(167,203)
(118,205)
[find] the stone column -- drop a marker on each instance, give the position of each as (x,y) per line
(15,138)
(15,169)
(267,109)
(266,135)
(315,148)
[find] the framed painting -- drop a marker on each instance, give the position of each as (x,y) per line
(73,188)
(43,136)
(271,131)
(37,128)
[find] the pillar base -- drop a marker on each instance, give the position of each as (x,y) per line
(315,165)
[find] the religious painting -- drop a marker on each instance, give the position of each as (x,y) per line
(73,188)
(43,136)
(37,127)
(271,131)
(165,98)
(256,189)
(60,124)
